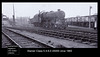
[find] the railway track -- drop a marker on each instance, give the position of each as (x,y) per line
(23,41)
(85,38)
(6,41)
(77,36)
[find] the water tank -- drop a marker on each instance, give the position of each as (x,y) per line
(57,14)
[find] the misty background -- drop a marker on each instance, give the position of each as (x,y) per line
(29,9)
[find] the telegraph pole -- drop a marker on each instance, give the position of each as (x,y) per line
(13,15)
(90,16)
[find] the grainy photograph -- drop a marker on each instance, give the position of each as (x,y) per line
(49,25)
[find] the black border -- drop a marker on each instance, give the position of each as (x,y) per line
(50,0)
(75,51)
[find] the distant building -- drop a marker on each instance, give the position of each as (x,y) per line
(5,20)
(22,20)
(82,20)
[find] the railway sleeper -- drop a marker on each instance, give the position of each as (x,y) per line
(85,42)
(92,41)
(77,38)
(84,39)
(93,38)
(93,44)
(79,41)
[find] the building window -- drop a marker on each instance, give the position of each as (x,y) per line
(86,19)
(92,18)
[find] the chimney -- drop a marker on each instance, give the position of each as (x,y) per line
(58,9)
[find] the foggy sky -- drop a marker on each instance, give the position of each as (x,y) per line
(30,9)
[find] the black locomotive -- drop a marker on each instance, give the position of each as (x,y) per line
(50,19)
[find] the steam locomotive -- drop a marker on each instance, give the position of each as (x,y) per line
(50,19)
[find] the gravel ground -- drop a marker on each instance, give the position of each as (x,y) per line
(55,41)
(5,42)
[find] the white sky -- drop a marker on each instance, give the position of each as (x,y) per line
(30,9)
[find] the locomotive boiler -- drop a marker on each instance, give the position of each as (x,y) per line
(50,19)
